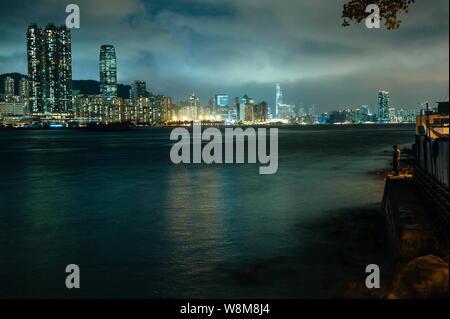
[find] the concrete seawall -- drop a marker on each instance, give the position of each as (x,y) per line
(419,251)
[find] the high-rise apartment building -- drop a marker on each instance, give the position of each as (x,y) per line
(138,90)
(260,112)
(49,69)
(383,106)
(23,88)
(108,73)
(9,86)
(164,103)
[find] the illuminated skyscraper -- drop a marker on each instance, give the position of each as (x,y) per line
(9,86)
(245,109)
(260,112)
(278,99)
(383,106)
(35,53)
(49,69)
(194,100)
(221,107)
(64,70)
(164,104)
(23,88)
(222,100)
(108,73)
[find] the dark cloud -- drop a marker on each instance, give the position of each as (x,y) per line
(238,47)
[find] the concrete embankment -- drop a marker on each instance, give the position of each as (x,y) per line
(419,251)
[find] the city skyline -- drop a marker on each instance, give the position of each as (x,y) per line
(144,108)
(138,89)
(313,66)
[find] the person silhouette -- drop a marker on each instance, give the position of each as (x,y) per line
(396,160)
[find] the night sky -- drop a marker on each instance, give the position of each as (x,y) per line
(246,46)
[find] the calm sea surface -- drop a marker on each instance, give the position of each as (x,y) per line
(140,226)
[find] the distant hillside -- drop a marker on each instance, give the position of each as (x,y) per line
(123,91)
(84,86)
(16,77)
(93,87)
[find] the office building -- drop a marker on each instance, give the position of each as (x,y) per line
(221,100)
(9,86)
(278,100)
(108,73)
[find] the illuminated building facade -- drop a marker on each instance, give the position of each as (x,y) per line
(286,111)
(164,103)
(24,88)
(188,113)
(138,90)
(49,69)
(260,112)
(194,100)
(9,86)
(222,100)
(108,73)
(222,111)
(383,106)
(278,99)
(245,109)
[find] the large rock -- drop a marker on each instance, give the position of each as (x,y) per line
(422,277)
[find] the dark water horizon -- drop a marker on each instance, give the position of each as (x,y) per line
(140,226)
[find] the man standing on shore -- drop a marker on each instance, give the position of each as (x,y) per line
(396,160)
